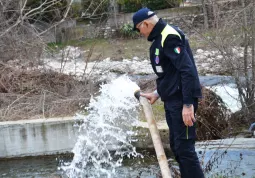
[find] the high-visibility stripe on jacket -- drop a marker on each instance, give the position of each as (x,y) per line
(168,30)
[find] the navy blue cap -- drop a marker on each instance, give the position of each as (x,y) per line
(142,15)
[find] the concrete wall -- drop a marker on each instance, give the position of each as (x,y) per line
(144,140)
(54,136)
(37,137)
(172,13)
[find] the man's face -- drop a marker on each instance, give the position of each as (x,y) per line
(145,28)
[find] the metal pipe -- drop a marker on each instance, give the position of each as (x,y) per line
(161,156)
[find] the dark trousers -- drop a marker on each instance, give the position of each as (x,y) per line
(182,139)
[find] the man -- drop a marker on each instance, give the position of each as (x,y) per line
(177,84)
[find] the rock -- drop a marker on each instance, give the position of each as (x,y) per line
(135,58)
(219,57)
(210,60)
(200,51)
(204,65)
(126,60)
(207,69)
(145,61)
(200,57)
(107,59)
(207,54)
(214,52)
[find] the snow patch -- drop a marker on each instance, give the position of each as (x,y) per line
(229,95)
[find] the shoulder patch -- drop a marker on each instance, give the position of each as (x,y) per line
(177,50)
(157,52)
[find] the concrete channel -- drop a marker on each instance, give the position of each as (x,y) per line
(55,136)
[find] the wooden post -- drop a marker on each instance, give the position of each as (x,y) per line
(166,173)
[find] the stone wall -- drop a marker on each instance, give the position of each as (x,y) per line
(69,30)
(165,13)
(186,17)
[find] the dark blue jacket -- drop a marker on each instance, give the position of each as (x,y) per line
(173,63)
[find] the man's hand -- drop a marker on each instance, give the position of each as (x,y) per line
(188,115)
(152,97)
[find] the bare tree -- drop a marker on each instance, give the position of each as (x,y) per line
(253,51)
(94,9)
(20,37)
(206,24)
(234,39)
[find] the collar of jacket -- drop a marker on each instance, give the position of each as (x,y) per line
(156,31)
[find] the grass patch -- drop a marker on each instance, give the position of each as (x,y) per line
(116,49)
(77,43)
(212,38)
(158,111)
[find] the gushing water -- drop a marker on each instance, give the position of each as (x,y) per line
(106,133)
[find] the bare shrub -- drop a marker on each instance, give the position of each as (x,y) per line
(212,116)
(37,94)
(20,39)
(232,34)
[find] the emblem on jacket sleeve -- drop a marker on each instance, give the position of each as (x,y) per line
(156,59)
(157,56)
(177,50)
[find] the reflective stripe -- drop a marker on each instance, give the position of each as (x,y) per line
(168,30)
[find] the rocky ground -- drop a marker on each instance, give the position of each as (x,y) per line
(70,60)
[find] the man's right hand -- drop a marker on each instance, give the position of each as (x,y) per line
(152,97)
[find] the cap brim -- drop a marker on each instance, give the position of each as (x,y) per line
(135,29)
